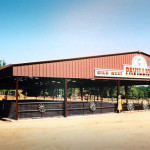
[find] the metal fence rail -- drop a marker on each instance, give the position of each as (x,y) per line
(52,108)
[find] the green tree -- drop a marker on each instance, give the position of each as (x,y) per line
(133,93)
(148,91)
(2,63)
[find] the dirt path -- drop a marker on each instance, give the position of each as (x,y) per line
(125,131)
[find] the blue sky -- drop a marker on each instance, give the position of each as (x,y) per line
(35,30)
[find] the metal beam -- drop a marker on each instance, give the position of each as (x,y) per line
(17,98)
(118,91)
(101,94)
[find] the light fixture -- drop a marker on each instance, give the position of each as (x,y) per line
(25,78)
(53,81)
(20,79)
(73,81)
(92,79)
(58,82)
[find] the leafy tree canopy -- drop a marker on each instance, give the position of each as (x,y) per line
(2,63)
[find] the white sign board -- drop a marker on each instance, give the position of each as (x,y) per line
(138,69)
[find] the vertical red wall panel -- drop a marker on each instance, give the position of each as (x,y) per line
(47,69)
(111,64)
(52,69)
(60,70)
(87,68)
(99,62)
(83,68)
(55,69)
(23,70)
(44,70)
(96,62)
(73,68)
(80,69)
(105,62)
(77,71)
(41,70)
(70,69)
(148,60)
(91,68)
(38,69)
(34,71)
(15,72)
(30,70)
(67,69)
(26,70)
(19,71)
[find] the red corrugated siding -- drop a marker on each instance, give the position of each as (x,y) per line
(77,69)
(67,68)
(148,60)
(45,70)
(26,70)
(15,73)
(38,69)
(30,70)
(82,68)
(51,69)
(19,71)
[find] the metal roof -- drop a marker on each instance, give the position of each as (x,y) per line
(80,67)
(77,58)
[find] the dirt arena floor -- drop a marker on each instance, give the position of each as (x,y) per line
(125,131)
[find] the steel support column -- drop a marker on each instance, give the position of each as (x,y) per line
(118,91)
(81,90)
(65,99)
(101,90)
(17,98)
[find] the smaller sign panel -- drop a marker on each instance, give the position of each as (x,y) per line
(108,73)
